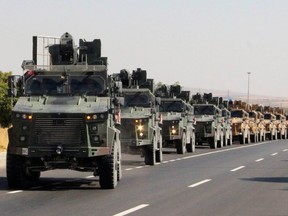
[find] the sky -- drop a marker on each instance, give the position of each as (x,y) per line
(205,44)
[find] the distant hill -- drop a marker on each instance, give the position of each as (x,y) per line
(254,99)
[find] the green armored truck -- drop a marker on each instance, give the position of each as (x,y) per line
(178,118)
(65,116)
(140,130)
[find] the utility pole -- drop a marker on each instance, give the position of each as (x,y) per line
(248,93)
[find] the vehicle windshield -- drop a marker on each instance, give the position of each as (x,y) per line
(267,116)
(73,84)
(171,106)
(204,110)
(141,99)
(237,113)
(252,115)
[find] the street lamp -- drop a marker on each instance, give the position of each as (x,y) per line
(248,93)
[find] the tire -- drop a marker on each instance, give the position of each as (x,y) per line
(248,138)
(242,139)
(149,155)
(159,152)
(191,146)
(230,140)
(181,145)
(213,142)
(17,177)
(119,165)
(108,175)
(220,142)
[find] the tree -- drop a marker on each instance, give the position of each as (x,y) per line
(5,101)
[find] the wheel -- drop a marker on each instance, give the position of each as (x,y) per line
(248,138)
(230,140)
(191,146)
(17,177)
(242,139)
(119,165)
(159,151)
(108,172)
(225,143)
(213,142)
(181,145)
(220,142)
(149,155)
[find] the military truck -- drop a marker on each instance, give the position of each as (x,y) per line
(140,130)
(65,116)
(270,123)
(208,128)
(227,126)
(240,122)
(281,126)
(254,126)
(178,118)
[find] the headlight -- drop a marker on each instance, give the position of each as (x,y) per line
(24,116)
(96,117)
(141,128)
(173,130)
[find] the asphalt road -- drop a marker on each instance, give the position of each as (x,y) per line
(239,180)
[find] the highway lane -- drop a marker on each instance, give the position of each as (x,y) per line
(242,180)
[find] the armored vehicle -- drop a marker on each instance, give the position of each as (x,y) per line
(281,126)
(209,120)
(64,117)
(240,121)
(227,127)
(270,123)
(240,125)
(254,126)
(178,118)
(140,130)
(270,126)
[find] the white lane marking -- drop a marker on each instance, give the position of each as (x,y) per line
(13,192)
(274,154)
(199,183)
(139,167)
(260,159)
(214,152)
(131,210)
(238,168)
(178,159)
(285,150)
(88,177)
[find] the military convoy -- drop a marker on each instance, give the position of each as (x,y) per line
(70,114)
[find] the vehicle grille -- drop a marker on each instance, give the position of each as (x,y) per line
(128,129)
(60,131)
(200,127)
(165,127)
